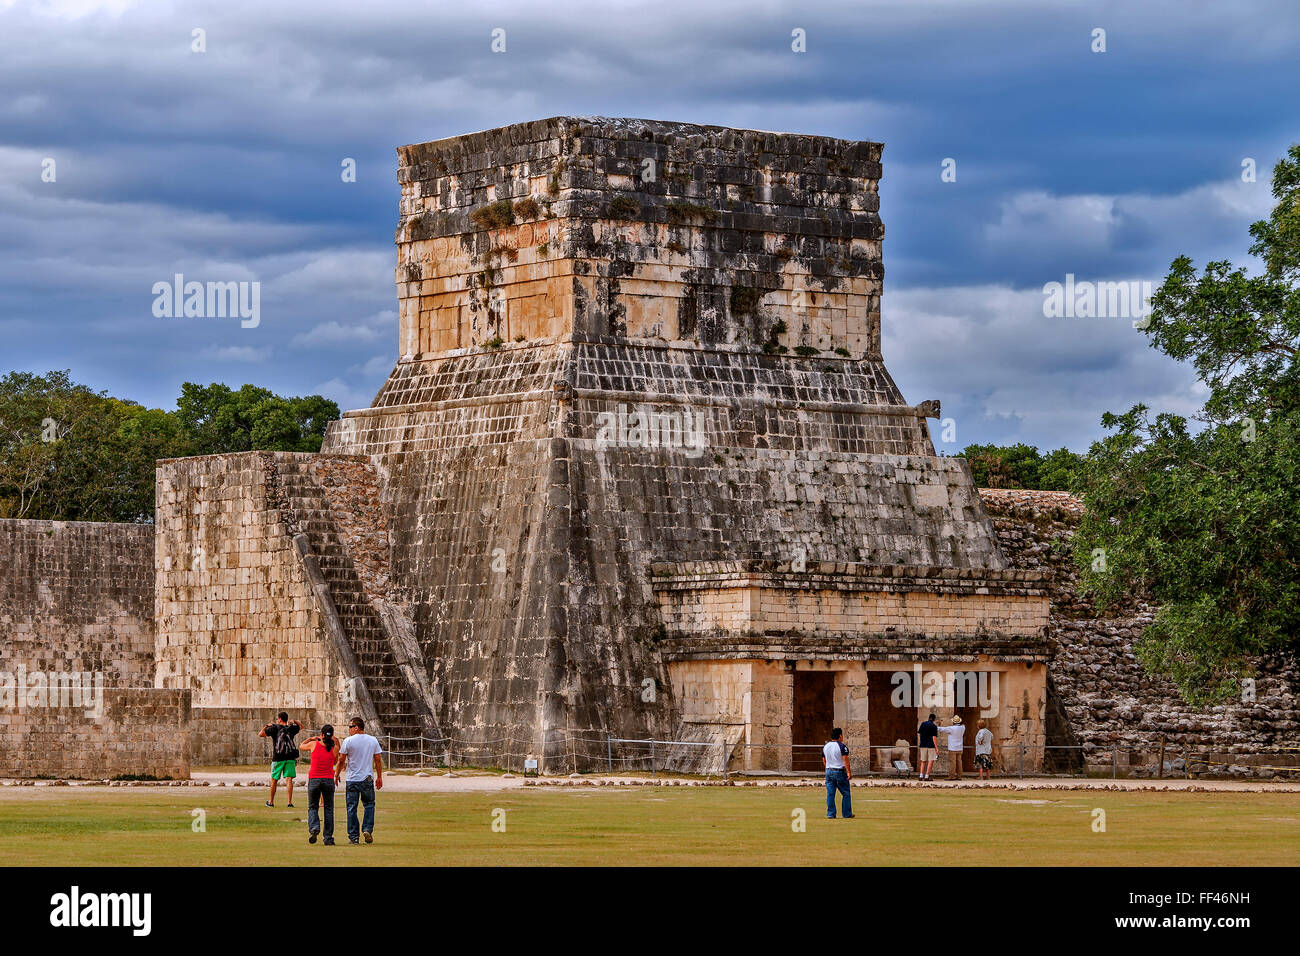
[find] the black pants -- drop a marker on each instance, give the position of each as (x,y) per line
(320,791)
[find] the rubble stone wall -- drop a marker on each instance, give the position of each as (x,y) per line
(1105,694)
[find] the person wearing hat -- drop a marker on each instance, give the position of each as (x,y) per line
(954,732)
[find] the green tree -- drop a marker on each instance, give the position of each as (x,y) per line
(1021,466)
(219,420)
(1205,518)
(69,453)
(1002,466)
(1059,470)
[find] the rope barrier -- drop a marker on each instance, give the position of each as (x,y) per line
(564,749)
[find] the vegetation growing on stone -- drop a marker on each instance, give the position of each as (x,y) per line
(624,207)
(527,208)
(553,181)
(772,345)
(683,211)
(494,215)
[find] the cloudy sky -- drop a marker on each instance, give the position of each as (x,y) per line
(225,164)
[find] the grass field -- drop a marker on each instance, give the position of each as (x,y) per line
(645,826)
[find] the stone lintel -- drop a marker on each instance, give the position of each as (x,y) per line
(909,648)
(819,575)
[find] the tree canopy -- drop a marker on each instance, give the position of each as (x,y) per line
(1021,466)
(70,453)
(1204,515)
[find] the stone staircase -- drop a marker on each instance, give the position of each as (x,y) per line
(340,551)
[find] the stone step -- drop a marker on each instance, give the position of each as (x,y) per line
(315,518)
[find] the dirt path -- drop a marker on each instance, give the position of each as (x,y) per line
(393,782)
(439,782)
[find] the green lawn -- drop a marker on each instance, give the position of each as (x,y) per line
(642,825)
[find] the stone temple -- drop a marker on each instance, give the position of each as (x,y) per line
(639,470)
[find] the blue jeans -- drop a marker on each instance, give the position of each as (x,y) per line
(365,792)
(838,780)
(322,792)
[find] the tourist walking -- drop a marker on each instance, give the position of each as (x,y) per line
(324,751)
(359,758)
(835,758)
(925,747)
(284,753)
(983,750)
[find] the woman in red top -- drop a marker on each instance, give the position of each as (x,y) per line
(324,750)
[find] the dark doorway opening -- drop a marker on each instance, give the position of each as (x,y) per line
(965,696)
(887,722)
(814,716)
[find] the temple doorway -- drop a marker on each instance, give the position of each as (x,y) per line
(814,716)
(886,722)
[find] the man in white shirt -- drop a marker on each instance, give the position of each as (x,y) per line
(835,758)
(359,756)
(954,732)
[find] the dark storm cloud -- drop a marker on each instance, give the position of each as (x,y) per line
(225,166)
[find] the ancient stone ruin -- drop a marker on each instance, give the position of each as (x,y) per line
(1100,698)
(639,472)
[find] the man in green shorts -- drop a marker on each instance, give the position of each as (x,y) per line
(284,752)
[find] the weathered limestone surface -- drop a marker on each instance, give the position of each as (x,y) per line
(77,595)
(142,731)
(1105,694)
(633,228)
(237,622)
(76,600)
(846,600)
(548,288)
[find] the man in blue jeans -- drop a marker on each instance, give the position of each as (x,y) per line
(835,758)
(359,757)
